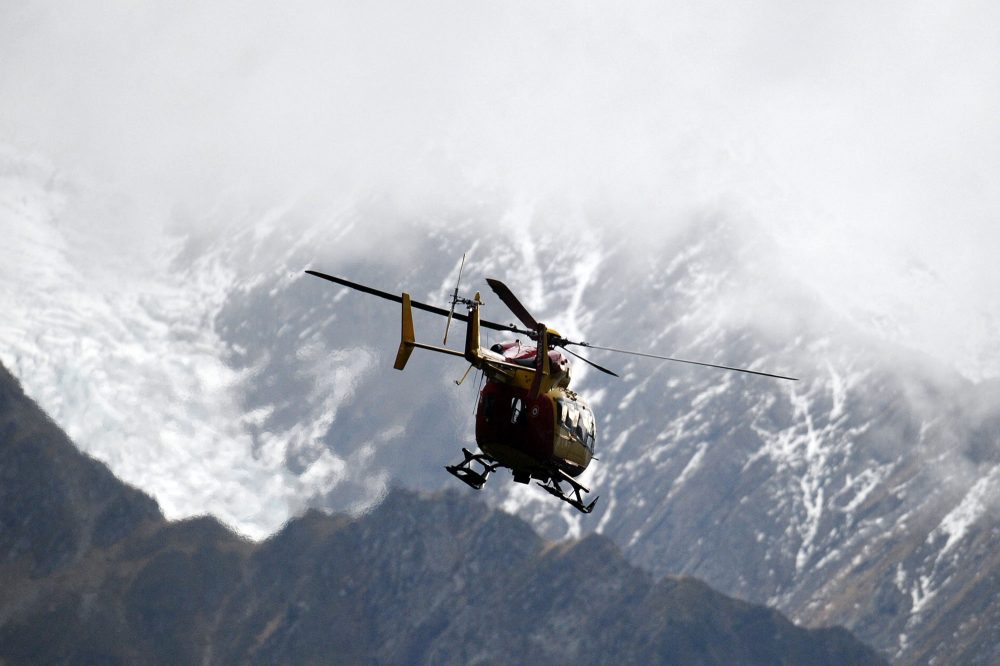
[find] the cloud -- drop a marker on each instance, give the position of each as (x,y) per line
(862,136)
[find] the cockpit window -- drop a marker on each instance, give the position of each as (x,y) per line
(577,421)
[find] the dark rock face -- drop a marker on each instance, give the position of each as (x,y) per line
(94,574)
(56,504)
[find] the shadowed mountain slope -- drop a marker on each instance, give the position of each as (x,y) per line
(94,574)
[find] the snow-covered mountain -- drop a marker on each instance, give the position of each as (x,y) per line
(204,367)
(863,494)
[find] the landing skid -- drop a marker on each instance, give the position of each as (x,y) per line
(575,500)
(464,471)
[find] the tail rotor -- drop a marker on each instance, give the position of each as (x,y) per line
(454,300)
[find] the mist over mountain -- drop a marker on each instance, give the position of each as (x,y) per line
(93,573)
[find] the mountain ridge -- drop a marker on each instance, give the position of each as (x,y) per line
(420,578)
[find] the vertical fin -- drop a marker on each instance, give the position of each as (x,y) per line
(472,333)
(407,338)
(542,364)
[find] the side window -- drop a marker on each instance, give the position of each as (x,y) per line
(577,421)
(516,410)
(572,421)
(589,431)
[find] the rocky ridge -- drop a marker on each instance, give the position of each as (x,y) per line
(94,574)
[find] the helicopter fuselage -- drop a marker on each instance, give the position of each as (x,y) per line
(527,419)
(534,435)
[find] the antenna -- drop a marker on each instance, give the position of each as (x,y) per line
(454,300)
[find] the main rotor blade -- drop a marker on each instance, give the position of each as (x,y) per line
(510,300)
(589,362)
(416,304)
(515,306)
(680,360)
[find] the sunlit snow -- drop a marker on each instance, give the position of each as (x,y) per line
(119,349)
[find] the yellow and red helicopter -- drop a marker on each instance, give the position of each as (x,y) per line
(527,418)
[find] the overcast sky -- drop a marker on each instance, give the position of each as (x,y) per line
(863,135)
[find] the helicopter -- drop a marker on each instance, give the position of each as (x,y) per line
(528,420)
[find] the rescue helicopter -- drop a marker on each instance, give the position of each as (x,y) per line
(528,420)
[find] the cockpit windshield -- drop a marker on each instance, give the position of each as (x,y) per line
(576,420)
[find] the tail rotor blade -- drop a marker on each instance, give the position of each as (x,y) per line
(454,300)
(451,315)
